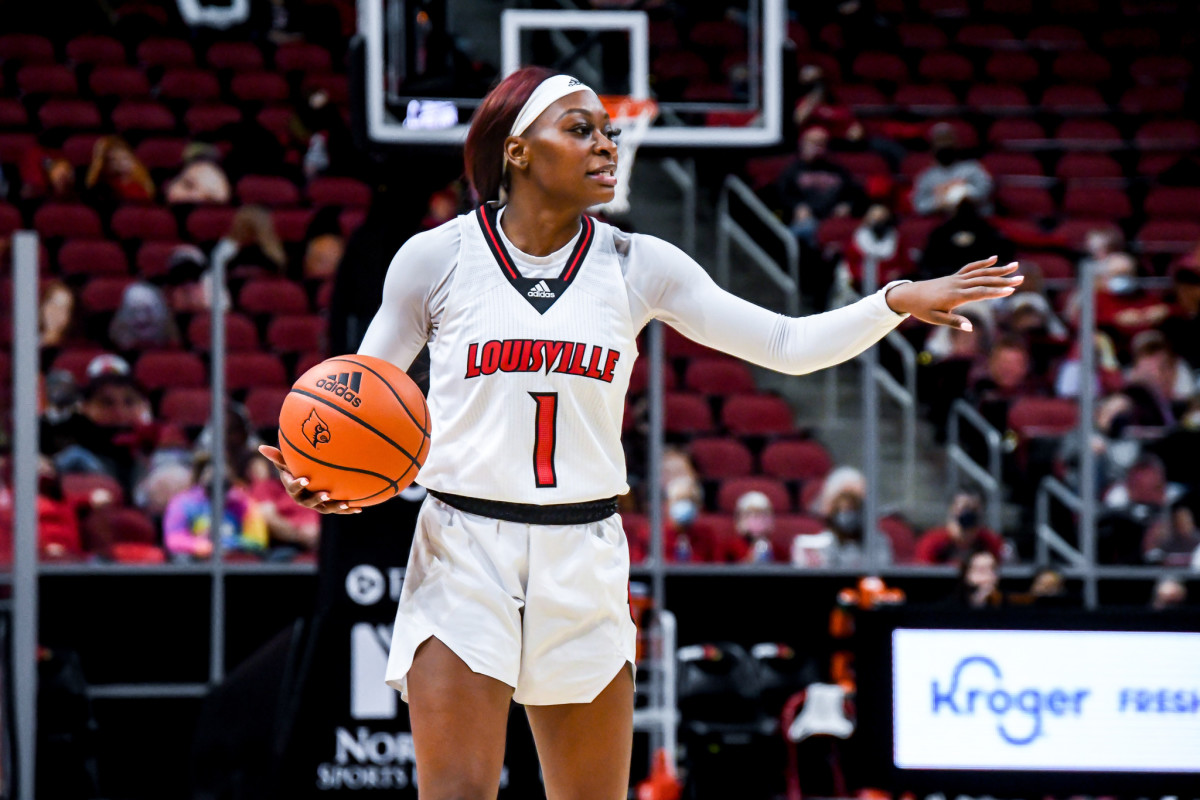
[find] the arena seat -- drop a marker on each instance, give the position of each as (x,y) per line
(142,116)
(686,413)
(1153,100)
(640,375)
(237,56)
(75,360)
(861,98)
(718,458)
(208,118)
(161,152)
(277,119)
(292,223)
(757,415)
(733,488)
(26,48)
(209,223)
(926,99)
(151,258)
(1173,202)
(170,369)
(676,345)
(1043,416)
(250,370)
(144,223)
(1025,201)
(240,333)
(718,376)
(1077,100)
(118,81)
(721,34)
(60,220)
(51,79)
(267,190)
(1080,166)
(1096,202)
(350,219)
(190,84)
(259,87)
(796,460)
(1012,67)
(164,52)
(296,333)
(1003,165)
(986,36)
(1016,133)
(10,219)
(332,191)
(945,67)
(12,114)
(997,98)
(1082,67)
(921,36)
(1056,37)
(679,65)
(1168,236)
(83,490)
(1089,133)
(263,404)
(303,57)
(72,114)
(336,85)
(1160,69)
(272,296)
(189,408)
(876,66)
(96,50)
(1131,38)
(1168,134)
(91,257)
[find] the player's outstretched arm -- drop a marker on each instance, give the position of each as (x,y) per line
(933,301)
(298,487)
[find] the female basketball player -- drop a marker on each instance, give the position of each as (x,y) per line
(516,583)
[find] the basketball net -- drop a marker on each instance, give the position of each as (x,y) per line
(633,117)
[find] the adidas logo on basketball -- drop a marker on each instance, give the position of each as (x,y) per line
(344,385)
(540,289)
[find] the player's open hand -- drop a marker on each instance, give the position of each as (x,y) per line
(298,487)
(933,301)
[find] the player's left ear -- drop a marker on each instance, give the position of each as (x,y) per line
(516,152)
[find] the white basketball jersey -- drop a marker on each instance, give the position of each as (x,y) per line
(528,376)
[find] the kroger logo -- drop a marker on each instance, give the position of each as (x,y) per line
(977,688)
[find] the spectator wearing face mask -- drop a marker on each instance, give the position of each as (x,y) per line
(1003,377)
(940,187)
(963,532)
(754,521)
(1123,308)
(841,543)
(875,245)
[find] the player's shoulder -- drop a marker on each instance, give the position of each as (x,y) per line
(643,247)
(442,240)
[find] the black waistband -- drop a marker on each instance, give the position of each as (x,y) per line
(561,514)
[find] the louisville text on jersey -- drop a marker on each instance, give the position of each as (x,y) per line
(533,355)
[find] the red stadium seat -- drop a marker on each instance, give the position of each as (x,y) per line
(144,222)
(338,192)
(921,36)
(12,114)
(1096,202)
(103,294)
(248,370)
(240,333)
(902,537)
(79,148)
(93,49)
(1161,69)
(709,93)
(1130,38)
(944,67)
(1052,265)
(259,87)
(272,296)
(862,165)
(792,460)
(1056,37)
(10,219)
(79,114)
(945,8)
(997,99)
(986,36)
(56,220)
(874,67)
(123,534)
(719,376)
(837,232)
(732,489)
(278,120)
(158,52)
(685,413)
(91,490)
(1074,231)
(209,223)
(1012,164)
(1172,202)
(1066,99)
(639,377)
(1012,68)
(1082,67)
(238,56)
(307,57)
(151,259)
(765,170)
(267,190)
(861,98)
(75,360)
(1168,134)
(757,415)
(665,36)
(1152,100)
(118,81)
(676,345)
(1008,7)
(208,118)
(142,115)
(926,99)
(1089,133)
(1016,133)
(721,458)
(1168,236)
(26,48)
(914,231)
(679,65)
(170,370)
(306,361)
(292,223)
(263,404)
(47,79)
(91,257)
(296,333)
(1072,166)
(1025,201)
(190,84)
(335,85)
(189,408)
(350,219)
(161,152)
(1043,416)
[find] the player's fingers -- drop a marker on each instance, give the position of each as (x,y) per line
(974,265)
(273,455)
(994,281)
(952,320)
(995,272)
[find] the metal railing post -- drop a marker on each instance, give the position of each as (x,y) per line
(1087,416)
(683,175)
(988,479)
(216,496)
(870,437)
(727,228)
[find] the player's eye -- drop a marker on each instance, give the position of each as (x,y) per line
(612,134)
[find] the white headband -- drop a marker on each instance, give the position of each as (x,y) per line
(545,95)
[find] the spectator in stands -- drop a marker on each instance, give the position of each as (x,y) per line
(1116,451)
(320,130)
(941,187)
(965,235)
(293,528)
(188,285)
(754,521)
(685,538)
(44,173)
(143,321)
(1182,328)
(187,522)
(1157,381)
(874,245)
(200,181)
(1131,508)
(1172,540)
(949,356)
(251,247)
(1048,588)
(61,396)
(963,532)
(113,432)
(57,525)
(1005,377)
(1178,448)
(58,318)
(841,543)
(1169,592)
(1108,376)
(241,440)
(116,175)
(323,247)
(813,109)
(979,580)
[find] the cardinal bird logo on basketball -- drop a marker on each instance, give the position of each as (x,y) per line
(315,429)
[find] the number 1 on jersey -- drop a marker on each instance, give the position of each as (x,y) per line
(545,425)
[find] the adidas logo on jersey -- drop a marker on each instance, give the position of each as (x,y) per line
(540,289)
(344,385)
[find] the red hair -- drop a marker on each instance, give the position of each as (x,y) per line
(483,153)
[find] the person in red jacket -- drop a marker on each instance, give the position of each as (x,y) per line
(963,532)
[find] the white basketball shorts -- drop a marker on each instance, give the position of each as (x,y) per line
(543,608)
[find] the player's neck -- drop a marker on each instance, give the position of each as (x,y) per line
(539,231)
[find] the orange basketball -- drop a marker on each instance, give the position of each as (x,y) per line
(357,427)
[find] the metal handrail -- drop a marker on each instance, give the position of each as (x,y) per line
(728,228)
(683,175)
(905,396)
(1047,539)
(988,479)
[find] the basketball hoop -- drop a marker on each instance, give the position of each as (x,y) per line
(633,117)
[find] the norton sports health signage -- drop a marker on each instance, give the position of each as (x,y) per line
(1046,700)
